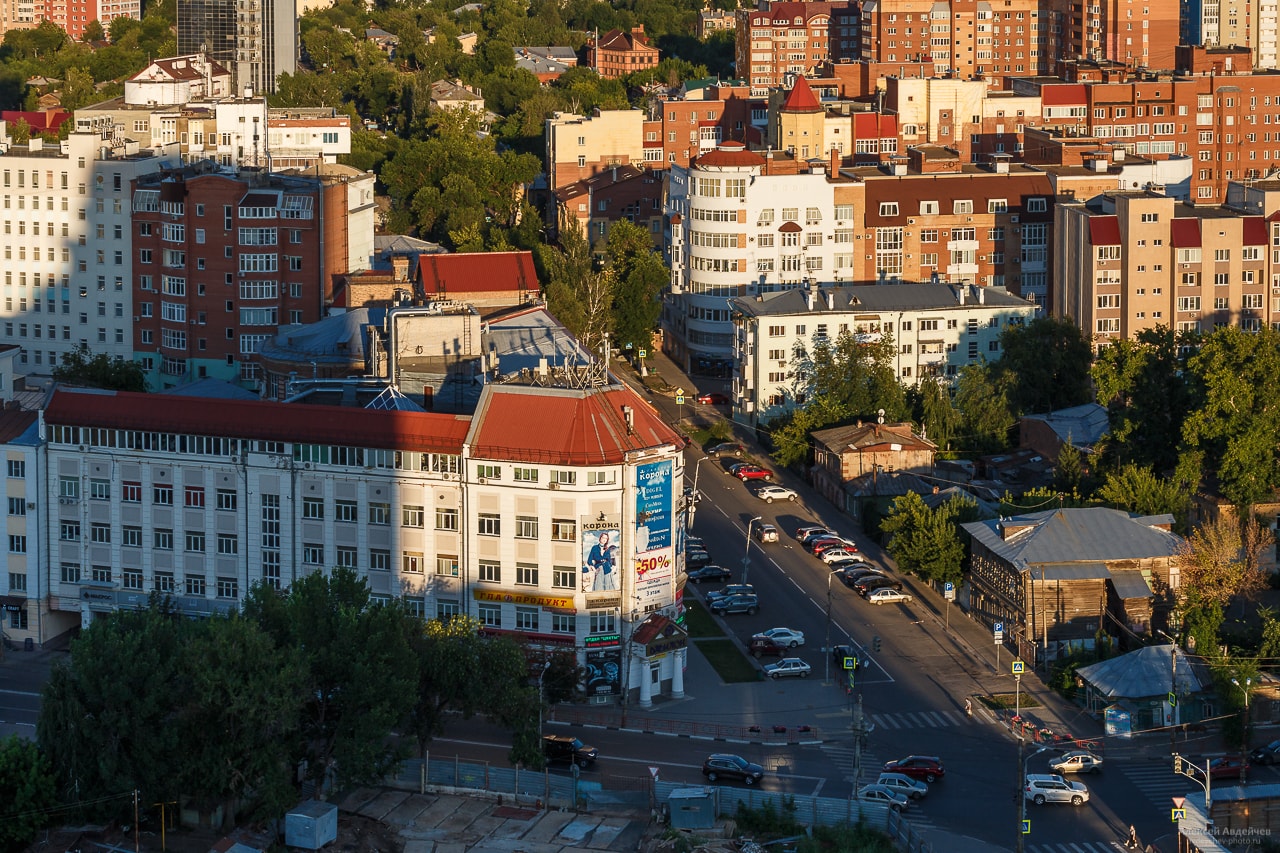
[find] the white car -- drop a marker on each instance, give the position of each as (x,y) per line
(883,794)
(1041,789)
(887,595)
(769,494)
(832,555)
(786,667)
(903,784)
(1076,761)
(788,637)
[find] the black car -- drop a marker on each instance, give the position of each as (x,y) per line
(710,573)
(725,766)
(1269,754)
(866,586)
(850,577)
(696,559)
(568,750)
(747,604)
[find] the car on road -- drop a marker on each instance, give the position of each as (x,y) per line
(1227,767)
(1076,761)
(710,572)
(747,604)
(731,589)
(752,472)
(805,531)
(808,540)
(927,768)
(728,448)
(788,667)
(822,546)
(850,576)
(569,750)
(835,555)
(883,795)
(766,532)
(696,559)
(839,653)
(722,765)
(887,595)
(1269,754)
(713,399)
(869,584)
(695,542)
(903,784)
(788,637)
(1044,788)
(769,494)
(764,647)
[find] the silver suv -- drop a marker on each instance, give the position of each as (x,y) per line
(1044,788)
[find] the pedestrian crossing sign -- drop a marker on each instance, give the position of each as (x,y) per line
(679,399)
(1017,667)
(1026,827)
(850,662)
(1179,814)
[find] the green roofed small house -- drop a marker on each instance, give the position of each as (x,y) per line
(1054,578)
(1140,683)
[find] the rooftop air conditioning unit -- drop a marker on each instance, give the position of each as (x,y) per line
(553,485)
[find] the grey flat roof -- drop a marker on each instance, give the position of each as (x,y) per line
(876,297)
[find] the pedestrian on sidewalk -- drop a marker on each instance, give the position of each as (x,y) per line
(968,707)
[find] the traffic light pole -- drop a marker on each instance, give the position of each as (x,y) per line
(1192,771)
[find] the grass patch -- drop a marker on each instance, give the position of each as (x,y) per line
(699,622)
(731,664)
(1009,701)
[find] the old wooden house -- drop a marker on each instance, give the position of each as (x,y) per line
(1055,578)
(847,453)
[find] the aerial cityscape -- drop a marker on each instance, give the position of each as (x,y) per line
(854,421)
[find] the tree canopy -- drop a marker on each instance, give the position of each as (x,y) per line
(927,542)
(81,367)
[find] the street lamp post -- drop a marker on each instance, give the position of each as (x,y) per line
(1022,795)
(1244,765)
(693,498)
(746,555)
(541,695)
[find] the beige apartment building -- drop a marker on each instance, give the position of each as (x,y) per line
(581,146)
(1134,260)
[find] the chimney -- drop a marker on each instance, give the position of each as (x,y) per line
(831,301)
(963,290)
(835,163)
(629,415)
(982,294)
(400,268)
(808,298)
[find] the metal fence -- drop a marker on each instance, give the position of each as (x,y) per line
(555,790)
(612,717)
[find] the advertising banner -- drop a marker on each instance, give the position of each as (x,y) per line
(653,506)
(604,672)
(600,541)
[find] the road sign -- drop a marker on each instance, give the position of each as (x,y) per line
(629,345)
(1179,814)
(1173,700)
(644,353)
(850,662)
(1178,801)
(1017,667)
(1026,827)
(680,392)
(998,632)
(653,771)
(851,678)
(999,628)
(949,591)
(679,399)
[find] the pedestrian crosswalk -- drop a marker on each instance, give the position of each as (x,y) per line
(929,719)
(1157,781)
(843,757)
(1076,847)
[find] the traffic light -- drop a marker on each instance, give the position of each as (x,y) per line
(875,644)
(1177,764)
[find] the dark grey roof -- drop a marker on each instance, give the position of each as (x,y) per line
(1083,534)
(214,389)
(522,340)
(341,338)
(878,297)
(1130,584)
(1084,425)
(1145,672)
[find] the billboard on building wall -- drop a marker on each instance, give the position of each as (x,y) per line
(600,541)
(654,555)
(604,672)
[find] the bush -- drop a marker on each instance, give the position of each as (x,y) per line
(767,821)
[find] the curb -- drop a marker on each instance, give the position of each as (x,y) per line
(709,738)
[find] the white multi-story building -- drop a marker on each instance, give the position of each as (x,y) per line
(23,579)
(67,245)
(553,515)
(742,223)
(936,329)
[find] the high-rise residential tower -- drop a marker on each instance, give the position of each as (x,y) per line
(256,39)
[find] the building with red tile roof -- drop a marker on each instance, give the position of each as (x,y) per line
(488,280)
(618,53)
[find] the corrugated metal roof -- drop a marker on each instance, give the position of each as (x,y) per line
(871,298)
(565,425)
(801,99)
(1130,584)
(1072,571)
(259,420)
(1145,672)
(476,272)
(1080,534)
(1084,424)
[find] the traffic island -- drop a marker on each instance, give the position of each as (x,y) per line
(728,661)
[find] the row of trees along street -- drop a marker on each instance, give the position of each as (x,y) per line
(1188,412)
(225,710)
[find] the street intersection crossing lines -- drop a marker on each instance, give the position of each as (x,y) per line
(842,758)
(1158,783)
(1074,847)
(926,719)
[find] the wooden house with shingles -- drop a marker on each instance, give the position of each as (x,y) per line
(1055,578)
(846,453)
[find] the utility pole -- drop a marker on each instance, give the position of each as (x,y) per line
(860,732)
(135,821)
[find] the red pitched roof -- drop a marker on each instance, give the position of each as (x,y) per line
(1185,233)
(1255,231)
(14,422)
(801,99)
(475,272)
(874,126)
(258,419)
(724,156)
(1104,230)
(45,121)
(565,426)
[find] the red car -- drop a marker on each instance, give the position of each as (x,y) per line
(1229,767)
(927,768)
(713,399)
(752,472)
(826,544)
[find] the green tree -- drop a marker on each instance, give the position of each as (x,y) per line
(463,672)
(577,295)
(934,411)
(93,32)
(1140,491)
(239,700)
(640,276)
(78,89)
(21,132)
(1049,360)
(1068,470)
(79,367)
(360,670)
(27,790)
(1235,380)
(1218,562)
(927,542)
(986,413)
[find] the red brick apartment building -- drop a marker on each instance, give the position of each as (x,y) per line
(222,261)
(1136,33)
(686,128)
(618,53)
(790,38)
